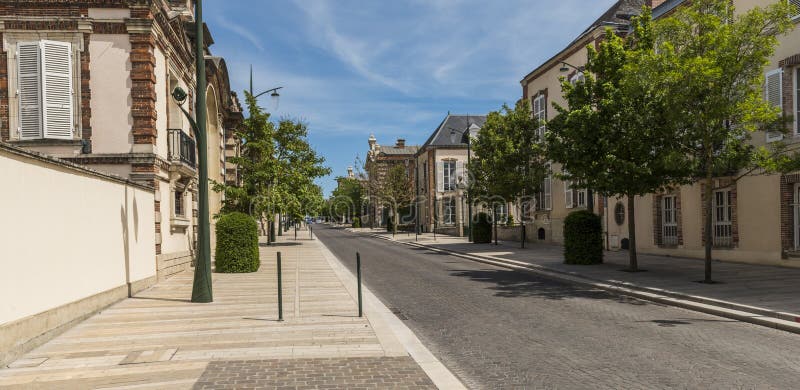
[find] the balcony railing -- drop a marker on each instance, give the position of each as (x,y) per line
(182,148)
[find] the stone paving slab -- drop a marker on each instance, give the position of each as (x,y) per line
(769,287)
(160,340)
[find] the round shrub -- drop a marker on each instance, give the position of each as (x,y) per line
(237,243)
(583,238)
(356,222)
(482,229)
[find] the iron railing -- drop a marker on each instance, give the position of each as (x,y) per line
(182,148)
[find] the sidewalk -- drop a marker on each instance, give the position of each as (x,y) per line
(758,291)
(160,340)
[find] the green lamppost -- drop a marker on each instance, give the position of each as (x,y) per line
(201,287)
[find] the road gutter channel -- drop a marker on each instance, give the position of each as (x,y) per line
(755,315)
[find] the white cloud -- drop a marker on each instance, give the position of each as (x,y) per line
(239,30)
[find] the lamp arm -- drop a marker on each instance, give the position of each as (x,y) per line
(191,122)
(267,91)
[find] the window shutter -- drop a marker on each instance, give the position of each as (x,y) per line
(548,196)
(440,176)
(460,172)
(568,194)
(57,89)
(29,90)
(773,95)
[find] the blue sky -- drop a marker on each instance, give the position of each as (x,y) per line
(393,68)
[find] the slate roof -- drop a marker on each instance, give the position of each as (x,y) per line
(665,7)
(393,150)
(617,15)
(441,136)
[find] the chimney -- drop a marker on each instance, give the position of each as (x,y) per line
(372,141)
(654,3)
(350,172)
(401,143)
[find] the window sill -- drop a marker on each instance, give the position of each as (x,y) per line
(46,141)
(179,223)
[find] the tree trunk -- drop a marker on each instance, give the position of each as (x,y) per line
(634,263)
(709,201)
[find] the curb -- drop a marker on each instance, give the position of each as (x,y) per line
(751,314)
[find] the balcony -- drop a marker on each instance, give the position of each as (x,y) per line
(182,148)
(182,152)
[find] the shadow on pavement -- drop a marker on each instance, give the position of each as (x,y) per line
(286,243)
(513,284)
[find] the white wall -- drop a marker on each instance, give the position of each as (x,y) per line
(66,234)
(111,93)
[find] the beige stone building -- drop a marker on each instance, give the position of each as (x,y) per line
(442,175)
(755,220)
(89,81)
(380,159)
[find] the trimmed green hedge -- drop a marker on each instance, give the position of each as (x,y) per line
(482,229)
(390,227)
(356,222)
(237,243)
(583,238)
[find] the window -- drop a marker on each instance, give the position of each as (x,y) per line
(501,212)
(581,197)
(722,217)
(544,198)
(540,113)
(577,78)
(449,211)
(773,94)
(669,225)
(796,5)
(44,89)
(179,209)
(448,175)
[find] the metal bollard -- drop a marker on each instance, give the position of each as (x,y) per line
(358,273)
(311,231)
(280,290)
(523,235)
(295,232)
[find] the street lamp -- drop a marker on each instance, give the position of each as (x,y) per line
(201,285)
(275,96)
(566,66)
(465,138)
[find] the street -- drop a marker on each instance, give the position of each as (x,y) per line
(496,328)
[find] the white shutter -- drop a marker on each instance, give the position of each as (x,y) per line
(568,194)
(548,196)
(774,96)
(795,8)
(29,91)
(460,173)
(440,176)
(57,89)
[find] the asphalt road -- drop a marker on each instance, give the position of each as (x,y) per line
(496,328)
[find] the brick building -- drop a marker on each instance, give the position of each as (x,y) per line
(89,81)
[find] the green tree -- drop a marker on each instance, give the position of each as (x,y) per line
(278,167)
(396,191)
(349,192)
(712,62)
(509,157)
(615,135)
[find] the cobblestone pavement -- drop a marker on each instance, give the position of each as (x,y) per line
(347,373)
(496,328)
